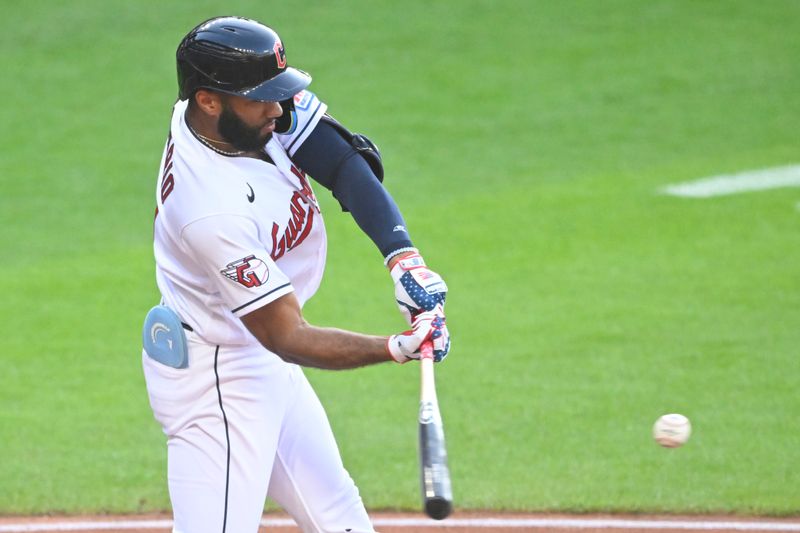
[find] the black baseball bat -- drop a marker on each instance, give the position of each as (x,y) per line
(437,495)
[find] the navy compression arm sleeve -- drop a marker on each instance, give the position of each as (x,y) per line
(333,163)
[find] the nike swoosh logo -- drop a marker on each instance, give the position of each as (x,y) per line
(252,196)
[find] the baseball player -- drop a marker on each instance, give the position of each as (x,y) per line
(240,246)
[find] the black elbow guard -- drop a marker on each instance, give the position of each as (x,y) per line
(360,144)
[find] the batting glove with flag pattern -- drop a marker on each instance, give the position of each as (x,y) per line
(416,288)
(427,326)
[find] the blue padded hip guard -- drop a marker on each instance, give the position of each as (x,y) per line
(163,337)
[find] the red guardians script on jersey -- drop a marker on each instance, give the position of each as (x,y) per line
(303,205)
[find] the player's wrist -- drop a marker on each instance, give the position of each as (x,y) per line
(406,262)
(394,257)
(393,352)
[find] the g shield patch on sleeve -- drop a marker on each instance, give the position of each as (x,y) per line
(249,271)
(164,339)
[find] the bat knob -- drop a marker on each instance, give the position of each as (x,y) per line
(438,508)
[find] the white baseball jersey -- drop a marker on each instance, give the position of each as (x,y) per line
(234,233)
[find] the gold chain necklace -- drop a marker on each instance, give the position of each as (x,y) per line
(206,141)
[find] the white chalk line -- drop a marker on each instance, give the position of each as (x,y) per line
(749,181)
(479,523)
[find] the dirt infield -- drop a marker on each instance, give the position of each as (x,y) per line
(459,522)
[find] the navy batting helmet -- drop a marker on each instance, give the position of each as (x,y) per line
(238,56)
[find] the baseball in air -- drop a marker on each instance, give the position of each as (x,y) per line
(672,430)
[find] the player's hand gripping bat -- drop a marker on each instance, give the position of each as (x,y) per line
(437,494)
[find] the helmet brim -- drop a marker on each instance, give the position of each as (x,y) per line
(283,86)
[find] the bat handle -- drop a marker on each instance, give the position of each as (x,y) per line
(426,350)
(436,491)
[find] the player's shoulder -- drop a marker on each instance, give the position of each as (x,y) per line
(308,109)
(201,183)
(304,100)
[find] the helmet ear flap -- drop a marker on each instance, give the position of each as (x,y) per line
(287,122)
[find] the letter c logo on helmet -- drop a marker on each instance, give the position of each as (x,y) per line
(280,54)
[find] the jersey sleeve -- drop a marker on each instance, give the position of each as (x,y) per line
(239,267)
(308,109)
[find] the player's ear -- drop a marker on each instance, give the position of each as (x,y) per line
(208,101)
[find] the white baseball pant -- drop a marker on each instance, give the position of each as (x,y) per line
(242,425)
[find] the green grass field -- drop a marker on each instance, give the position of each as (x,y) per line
(526,142)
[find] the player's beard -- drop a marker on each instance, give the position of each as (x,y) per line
(241,136)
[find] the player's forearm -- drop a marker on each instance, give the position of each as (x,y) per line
(372,207)
(331,348)
(280,327)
